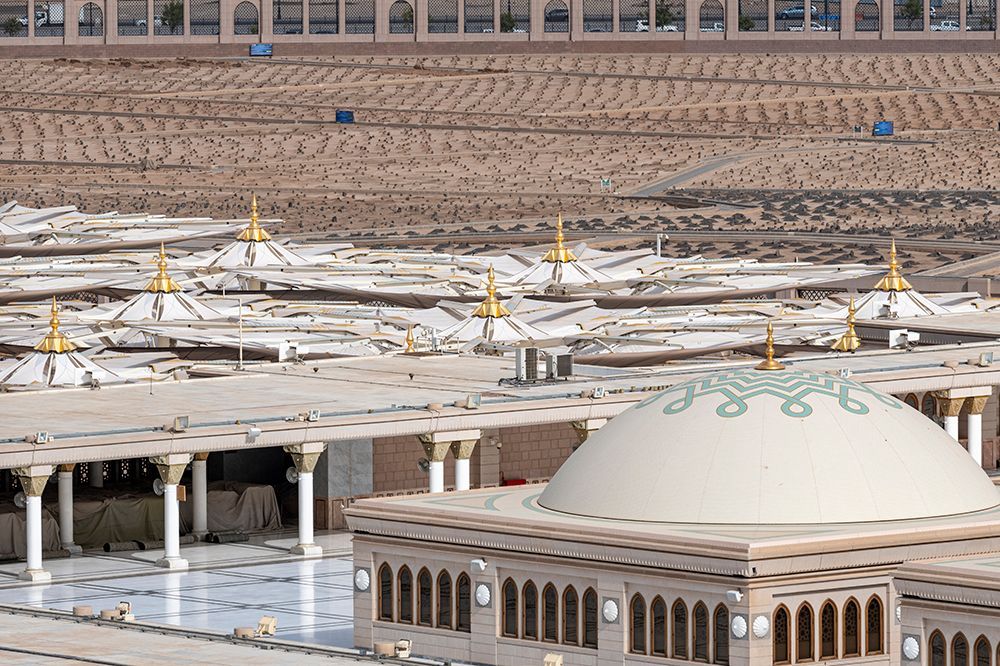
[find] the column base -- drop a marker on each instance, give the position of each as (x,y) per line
(306,550)
(72,549)
(172,563)
(35,575)
(199,536)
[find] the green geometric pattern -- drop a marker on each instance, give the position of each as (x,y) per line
(793,387)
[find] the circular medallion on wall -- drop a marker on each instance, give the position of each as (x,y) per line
(610,611)
(761,625)
(911,648)
(483,595)
(739,626)
(362,580)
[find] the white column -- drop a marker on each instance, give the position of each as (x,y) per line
(951,426)
(199,492)
(437,476)
(95,474)
(171,468)
(66,509)
(305,456)
(461,474)
(975,432)
(33,480)
(34,531)
(171,523)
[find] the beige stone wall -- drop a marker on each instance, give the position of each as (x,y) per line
(534,452)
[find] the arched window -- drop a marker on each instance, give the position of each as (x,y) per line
(804,634)
(959,650)
(852,620)
(721,634)
(938,651)
(658,616)
(712,16)
(984,653)
(91,22)
(828,631)
(700,641)
(245,20)
(779,637)
(590,618)
(928,406)
(425,598)
(873,626)
(911,400)
(866,17)
(638,623)
(401,18)
(463,602)
(444,600)
(679,629)
(509,609)
(385,593)
(571,617)
(550,614)
(556,16)
(529,596)
(405,595)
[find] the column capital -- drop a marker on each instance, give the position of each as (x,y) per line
(586,427)
(977,404)
(201,457)
(948,406)
(33,478)
(462,449)
(67,467)
(171,467)
(452,436)
(435,451)
(305,455)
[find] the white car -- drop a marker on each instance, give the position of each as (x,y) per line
(643,26)
(946,26)
(716,27)
(815,27)
(157,22)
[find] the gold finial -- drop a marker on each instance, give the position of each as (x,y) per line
(55,342)
(491,307)
(559,254)
(893,280)
(849,341)
(409,339)
(769,363)
(162,283)
(254,233)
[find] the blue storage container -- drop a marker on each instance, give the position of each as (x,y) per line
(345,116)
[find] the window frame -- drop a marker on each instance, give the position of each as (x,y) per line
(545,614)
(588,594)
(682,635)
(836,648)
(659,601)
(881,621)
(724,633)
(419,600)
(637,601)
(448,606)
(505,613)
(694,634)
(399,594)
(781,608)
(385,567)
(458,602)
(954,644)
(857,625)
(524,609)
(982,640)
(805,606)
(570,590)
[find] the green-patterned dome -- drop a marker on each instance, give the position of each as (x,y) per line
(770,447)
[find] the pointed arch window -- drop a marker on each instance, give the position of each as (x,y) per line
(873,626)
(385,593)
(658,619)
(984,653)
(804,634)
(529,596)
(425,598)
(828,631)
(590,618)
(509,622)
(779,642)
(444,600)
(679,629)
(571,617)
(852,620)
(405,587)
(550,614)
(938,656)
(463,603)
(700,642)
(959,650)
(721,634)
(637,625)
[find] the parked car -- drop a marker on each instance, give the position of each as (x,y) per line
(795,13)
(157,22)
(557,15)
(40,19)
(716,27)
(643,26)
(946,26)
(813,25)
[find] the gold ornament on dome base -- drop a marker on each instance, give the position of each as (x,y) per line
(55,342)
(254,233)
(769,363)
(491,307)
(162,283)
(559,254)
(849,341)
(893,280)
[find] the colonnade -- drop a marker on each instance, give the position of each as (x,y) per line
(952,403)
